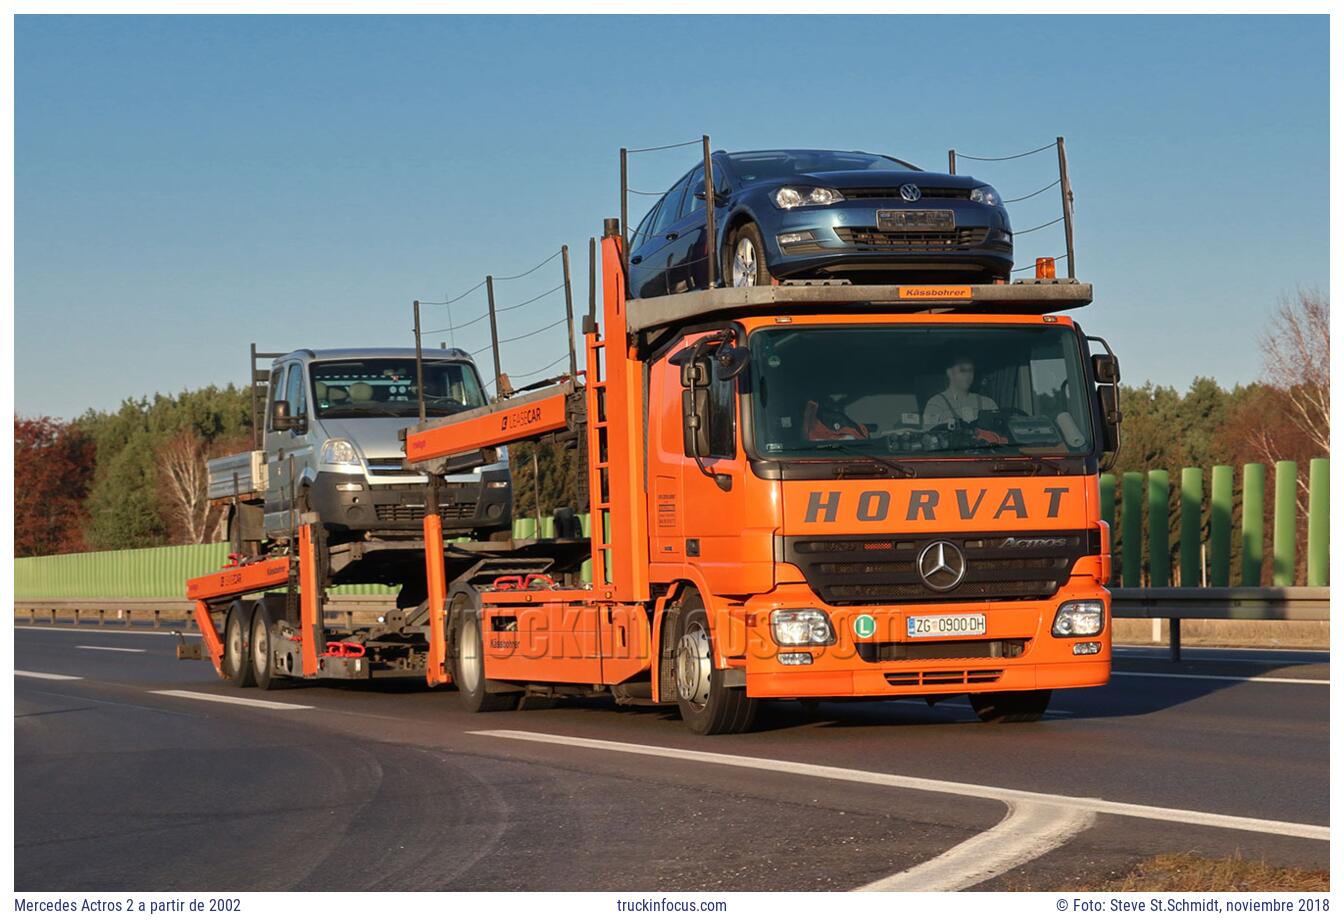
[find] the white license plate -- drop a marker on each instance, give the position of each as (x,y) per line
(945,624)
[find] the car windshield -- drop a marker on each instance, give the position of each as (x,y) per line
(386,387)
(784,164)
(929,391)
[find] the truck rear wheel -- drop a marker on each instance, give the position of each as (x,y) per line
(237,661)
(1011,706)
(264,628)
(468,659)
(707,706)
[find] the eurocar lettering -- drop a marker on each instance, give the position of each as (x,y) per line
(927,505)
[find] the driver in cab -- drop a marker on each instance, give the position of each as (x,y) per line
(957,406)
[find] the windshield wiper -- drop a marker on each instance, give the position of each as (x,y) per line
(895,466)
(1032,464)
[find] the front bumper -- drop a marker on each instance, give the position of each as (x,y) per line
(845,239)
(1021,653)
(484,504)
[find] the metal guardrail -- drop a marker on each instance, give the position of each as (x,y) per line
(1177,604)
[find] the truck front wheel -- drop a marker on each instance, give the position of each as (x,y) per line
(1011,706)
(707,706)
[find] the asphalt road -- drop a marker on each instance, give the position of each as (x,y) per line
(120,786)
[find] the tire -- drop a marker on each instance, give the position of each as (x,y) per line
(744,261)
(1011,706)
(237,631)
(707,706)
(264,628)
(467,655)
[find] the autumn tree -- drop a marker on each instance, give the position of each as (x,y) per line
(53,466)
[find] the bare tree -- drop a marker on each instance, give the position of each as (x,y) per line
(182,478)
(1296,349)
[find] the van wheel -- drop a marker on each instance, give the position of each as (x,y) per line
(707,706)
(468,657)
(264,628)
(745,258)
(237,662)
(1010,706)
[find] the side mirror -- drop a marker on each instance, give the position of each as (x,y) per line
(281,420)
(695,422)
(1106,369)
(730,361)
(1109,397)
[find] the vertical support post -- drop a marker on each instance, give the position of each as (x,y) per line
(1159,536)
(711,239)
(419,365)
(436,671)
(1131,519)
(1174,638)
(252,394)
(1318,523)
(625,213)
(569,315)
(1252,524)
(1192,510)
(1220,527)
(951,162)
(205,622)
(494,334)
(1285,522)
(310,601)
(1066,197)
(1106,487)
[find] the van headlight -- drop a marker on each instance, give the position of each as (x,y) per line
(339,452)
(1078,618)
(804,626)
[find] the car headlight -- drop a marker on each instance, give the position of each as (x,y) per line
(805,626)
(1078,618)
(339,452)
(986,194)
(799,196)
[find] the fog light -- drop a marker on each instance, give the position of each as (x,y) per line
(349,487)
(798,236)
(1086,648)
(795,657)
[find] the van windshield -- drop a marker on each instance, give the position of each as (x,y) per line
(931,391)
(386,386)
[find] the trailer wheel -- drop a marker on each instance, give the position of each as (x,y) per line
(707,706)
(263,659)
(468,657)
(745,258)
(237,662)
(1011,706)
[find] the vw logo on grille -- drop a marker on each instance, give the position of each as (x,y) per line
(910,192)
(941,565)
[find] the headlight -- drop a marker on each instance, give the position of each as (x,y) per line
(1078,618)
(806,626)
(339,452)
(986,194)
(791,197)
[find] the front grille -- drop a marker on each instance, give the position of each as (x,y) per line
(942,678)
(881,569)
(454,511)
(874,652)
(895,193)
(874,240)
(386,466)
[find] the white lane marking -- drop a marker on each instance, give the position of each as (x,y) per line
(111,648)
(43,676)
(110,629)
(1195,649)
(922,784)
(237,701)
(1283,661)
(1029,831)
(1239,680)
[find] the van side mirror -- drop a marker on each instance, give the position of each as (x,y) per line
(281,420)
(1106,369)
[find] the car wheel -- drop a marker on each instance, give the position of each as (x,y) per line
(746,258)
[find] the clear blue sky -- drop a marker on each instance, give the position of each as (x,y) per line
(187,185)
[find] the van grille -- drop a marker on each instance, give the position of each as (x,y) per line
(455,511)
(870,238)
(880,569)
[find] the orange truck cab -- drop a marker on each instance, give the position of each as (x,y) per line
(812,492)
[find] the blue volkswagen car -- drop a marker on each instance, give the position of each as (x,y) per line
(782,214)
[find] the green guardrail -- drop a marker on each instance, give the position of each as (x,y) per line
(1145,515)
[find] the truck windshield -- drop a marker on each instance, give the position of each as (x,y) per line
(386,386)
(919,391)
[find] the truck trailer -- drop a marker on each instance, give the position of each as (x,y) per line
(806,491)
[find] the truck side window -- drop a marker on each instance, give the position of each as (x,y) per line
(722,418)
(277,391)
(294,392)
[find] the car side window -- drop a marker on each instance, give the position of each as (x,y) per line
(669,212)
(277,391)
(298,404)
(694,201)
(642,231)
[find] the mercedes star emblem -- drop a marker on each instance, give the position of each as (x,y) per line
(941,565)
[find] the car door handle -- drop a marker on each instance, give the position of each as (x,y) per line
(635,260)
(673,235)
